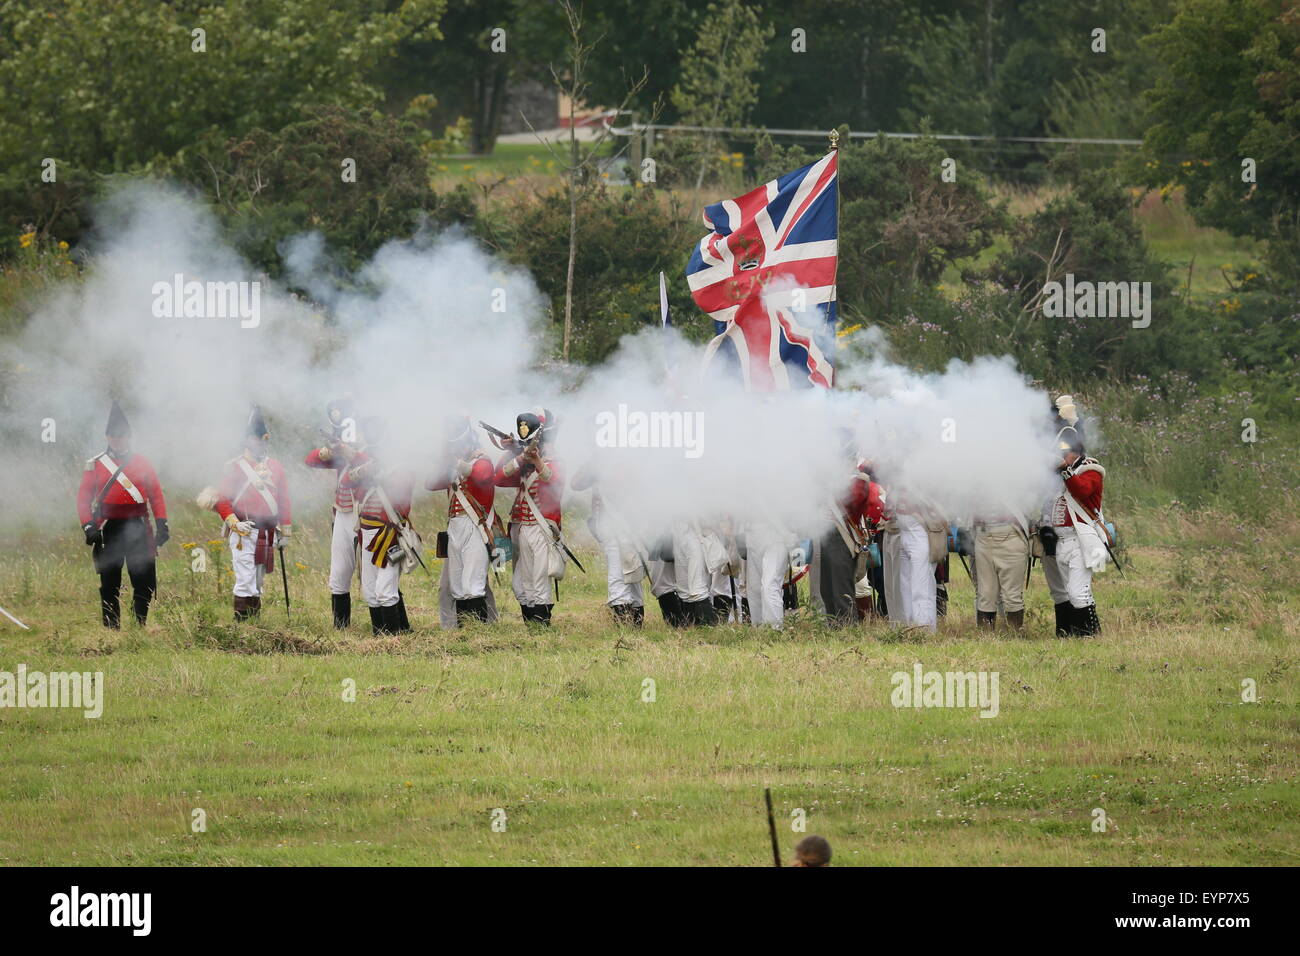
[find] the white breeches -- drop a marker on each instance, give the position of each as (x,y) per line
(531,576)
(909,575)
(1068,576)
(620,590)
(691,573)
(343,552)
(467,559)
(378,585)
(248,573)
(766,567)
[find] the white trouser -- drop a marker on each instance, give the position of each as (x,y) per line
(343,552)
(691,573)
(720,583)
(663,577)
(766,567)
(248,573)
(1068,577)
(467,559)
(378,585)
(620,590)
(531,576)
(909,575)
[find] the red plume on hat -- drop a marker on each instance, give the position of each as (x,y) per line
(118,426)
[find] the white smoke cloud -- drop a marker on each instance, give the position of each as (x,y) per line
(436,326)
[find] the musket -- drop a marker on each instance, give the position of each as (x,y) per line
(771,827)
(504,440)
(14,619)
(284,579)
(966,566)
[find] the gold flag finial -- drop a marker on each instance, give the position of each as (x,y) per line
(835,139)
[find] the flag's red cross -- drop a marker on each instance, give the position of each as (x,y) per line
(749,252)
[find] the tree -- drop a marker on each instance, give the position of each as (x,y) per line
(581,159)
(109,87)
(484,47)
(717,87)
(1229,91)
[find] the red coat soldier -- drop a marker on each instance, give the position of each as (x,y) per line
(118,489)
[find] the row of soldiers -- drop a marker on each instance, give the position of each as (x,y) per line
(884,554)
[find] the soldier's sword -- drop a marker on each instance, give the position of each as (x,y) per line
(14,619)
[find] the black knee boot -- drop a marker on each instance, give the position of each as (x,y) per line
(987,619)
(1086,622)
(1064,619)
(475,608)
(110,607)
(243,608)
(342,604)
(545,610)
(701,613)
(395,619)
(400,619)
(673,611)
(378,622)
(140,605)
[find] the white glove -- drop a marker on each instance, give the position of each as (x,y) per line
(498,557)
(241,528)
(797,558)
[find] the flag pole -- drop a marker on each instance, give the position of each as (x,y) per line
(835,148)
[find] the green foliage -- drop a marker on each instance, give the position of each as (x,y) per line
(268,186)
(625,237)
(1230,90)
(718,87)
(900,224)
(110,87)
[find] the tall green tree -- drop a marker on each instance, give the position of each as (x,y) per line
(719,85)
(110,86)
(1226,119)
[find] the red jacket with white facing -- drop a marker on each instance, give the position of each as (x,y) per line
(238,496)
(366,474)
(479,485)
(1085,486)
(118,502)
(547,489)
(326,458)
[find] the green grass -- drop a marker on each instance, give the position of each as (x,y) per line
(249,724)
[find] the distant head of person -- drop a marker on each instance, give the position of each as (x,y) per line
(812,851)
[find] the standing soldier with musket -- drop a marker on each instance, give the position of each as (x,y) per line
(390,545)
(118,488)
(534,519)
(252,498)
(337,454)
(470,482)
(1074,538)
(859,507)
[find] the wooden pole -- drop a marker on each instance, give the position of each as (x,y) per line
(771,827)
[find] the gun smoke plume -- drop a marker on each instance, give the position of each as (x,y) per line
(437,326)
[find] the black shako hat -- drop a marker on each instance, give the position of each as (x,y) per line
(257,424)
(118,426)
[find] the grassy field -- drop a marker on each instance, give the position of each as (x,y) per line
(248,723)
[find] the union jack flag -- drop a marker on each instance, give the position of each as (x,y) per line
(766,274)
